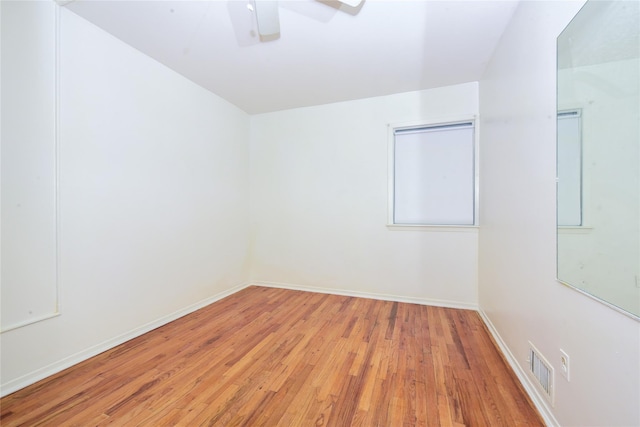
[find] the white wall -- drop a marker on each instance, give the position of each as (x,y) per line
(153,202)
(319,202)
(154,211)
(517,288)
(28,167)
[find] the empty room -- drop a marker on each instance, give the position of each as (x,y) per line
(303,213)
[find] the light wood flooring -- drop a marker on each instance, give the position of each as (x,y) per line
(275,357)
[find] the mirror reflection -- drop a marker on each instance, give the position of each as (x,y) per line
(599,153)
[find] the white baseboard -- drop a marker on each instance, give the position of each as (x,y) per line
(529,387)
(539,401)
(35,376)
(54,368)
(384,297)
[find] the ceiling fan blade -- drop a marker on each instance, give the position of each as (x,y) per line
(267,17)
(351,3)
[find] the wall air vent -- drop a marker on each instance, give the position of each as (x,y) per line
(542,372)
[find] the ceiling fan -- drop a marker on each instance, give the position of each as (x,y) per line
(268,18)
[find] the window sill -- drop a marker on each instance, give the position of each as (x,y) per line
(436,228)
(574,229)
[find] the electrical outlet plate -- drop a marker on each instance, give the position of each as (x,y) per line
(564,364)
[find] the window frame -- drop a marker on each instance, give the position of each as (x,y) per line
(563,114)
(427,123)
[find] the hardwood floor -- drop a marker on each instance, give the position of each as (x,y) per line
(274,357)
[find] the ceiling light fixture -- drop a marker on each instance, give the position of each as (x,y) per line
(351,3)
(267,17)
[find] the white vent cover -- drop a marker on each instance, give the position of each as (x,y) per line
(542,371)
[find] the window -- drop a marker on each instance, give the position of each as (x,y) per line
(433,174)
(569,168)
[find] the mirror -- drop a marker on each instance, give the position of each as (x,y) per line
(598,148)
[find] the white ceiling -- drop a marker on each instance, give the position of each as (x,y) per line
(326,52)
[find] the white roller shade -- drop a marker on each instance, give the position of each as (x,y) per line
(569,170)
(434,175)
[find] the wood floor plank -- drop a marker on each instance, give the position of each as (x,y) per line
(268,357)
